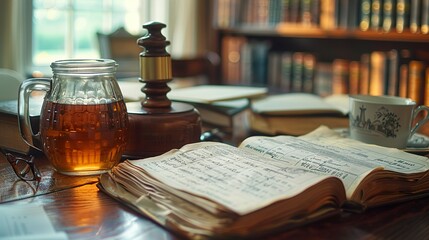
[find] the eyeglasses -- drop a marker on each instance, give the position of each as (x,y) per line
(24,168)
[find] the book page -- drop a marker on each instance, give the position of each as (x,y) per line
(215,170)
(301,104)
(326,152)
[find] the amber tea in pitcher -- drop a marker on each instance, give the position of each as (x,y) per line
(84,120)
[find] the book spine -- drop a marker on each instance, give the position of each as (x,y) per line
(393,72)
(286,72)
(294,11)
(315,12)
(354,77)
(340,77)
(259,66)
(323,79)
(388,15)
(425,17)
(306,12)
(377,73)
(404,58)
(231,58)
(274,70)
(403,80)
(426,96)
(353,14)
(327,15)
(297,71)
(246,76)
(364,74)
(416,81)
(415,10)
(261,12)
(402,15)
(285,11)
(376,15)
(365,14)
(343,14)
(308,73)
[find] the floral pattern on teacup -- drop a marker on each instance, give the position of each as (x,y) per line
(383,121)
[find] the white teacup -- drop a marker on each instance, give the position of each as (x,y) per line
(384,120)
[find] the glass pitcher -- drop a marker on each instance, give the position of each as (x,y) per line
(83,121)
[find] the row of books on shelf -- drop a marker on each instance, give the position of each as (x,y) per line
(387,15)
(396,72)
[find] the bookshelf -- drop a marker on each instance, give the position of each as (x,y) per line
(326,46)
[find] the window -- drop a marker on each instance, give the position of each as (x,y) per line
(67,28)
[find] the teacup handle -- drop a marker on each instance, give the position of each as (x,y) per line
(422,121)
(25,128)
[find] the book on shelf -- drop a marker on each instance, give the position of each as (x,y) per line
(294,10)
(297,71)
(416,81)
(403,81)
(344,14)
(340,76)
(323,79)
(10,134)
(389,15)
(305,12)
(274,70)
(425,17)
(267,184)
(354,76)
(315,12)
(402,15)
(354,11)
(286,71)
(328,14)
(415,15)
(364,72)
(254,56)
(392,64)
(231,58)
(376,14)
(309,63)
(426,90)
(365,15)
(377,83)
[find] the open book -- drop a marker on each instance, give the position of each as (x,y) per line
(212,189)
(289,104)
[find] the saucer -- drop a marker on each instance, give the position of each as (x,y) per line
(418,144)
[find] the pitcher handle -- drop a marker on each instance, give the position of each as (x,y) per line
(24,123)
(422,121)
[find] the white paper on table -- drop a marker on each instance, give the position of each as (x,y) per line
(26,222)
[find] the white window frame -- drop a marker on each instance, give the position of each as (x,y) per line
(152,11)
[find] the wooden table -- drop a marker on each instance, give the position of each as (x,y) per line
(77,207)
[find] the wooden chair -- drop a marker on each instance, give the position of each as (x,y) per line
(122,47)
(205,65)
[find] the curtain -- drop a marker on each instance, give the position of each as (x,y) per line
(188,26)
(14,34)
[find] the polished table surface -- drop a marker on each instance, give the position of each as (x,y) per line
(77,207)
